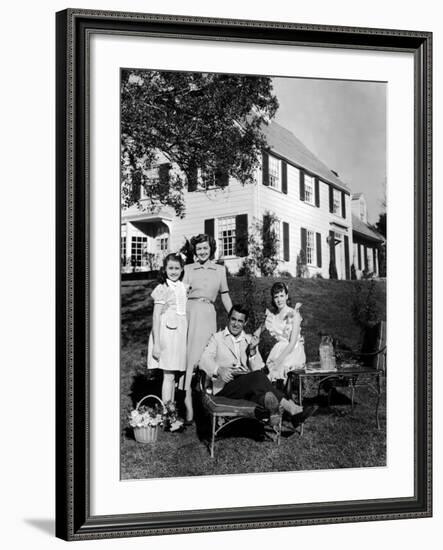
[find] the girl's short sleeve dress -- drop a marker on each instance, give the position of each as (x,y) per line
(205,282)
(281,330)
(172,338)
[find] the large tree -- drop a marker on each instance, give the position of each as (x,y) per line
(208,125)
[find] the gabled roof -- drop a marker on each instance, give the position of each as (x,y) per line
(358,226)
(284,143)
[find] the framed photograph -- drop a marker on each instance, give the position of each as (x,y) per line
(243,274)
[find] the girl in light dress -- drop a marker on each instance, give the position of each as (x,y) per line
(167,341)
(284,325)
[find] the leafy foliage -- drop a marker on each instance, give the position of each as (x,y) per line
(301,268)
(366,306)
(210,122)
(263,247)
(381,224)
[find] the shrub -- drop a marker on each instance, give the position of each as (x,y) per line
(263,247)
(365,308)
(353,273)
(285,274)
(301,269)
(366,274)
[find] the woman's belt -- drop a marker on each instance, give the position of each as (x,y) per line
(205,300)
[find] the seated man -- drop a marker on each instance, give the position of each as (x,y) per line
(233,361)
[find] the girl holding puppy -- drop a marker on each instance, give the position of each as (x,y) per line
(283,323)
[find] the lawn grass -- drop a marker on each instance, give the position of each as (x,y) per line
(330,440)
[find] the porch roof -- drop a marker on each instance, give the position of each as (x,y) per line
(135,214)
(361,228)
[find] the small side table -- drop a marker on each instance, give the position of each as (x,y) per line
(353,377)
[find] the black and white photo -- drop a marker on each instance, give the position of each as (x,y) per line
(253,274)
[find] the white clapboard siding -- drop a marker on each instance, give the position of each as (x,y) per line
(254,200)
(289,208)
(215,203)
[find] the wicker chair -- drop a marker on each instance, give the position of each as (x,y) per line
(372,353)
(224,411)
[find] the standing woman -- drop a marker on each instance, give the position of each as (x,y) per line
(206,280)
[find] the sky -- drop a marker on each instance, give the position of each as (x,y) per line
(344,124)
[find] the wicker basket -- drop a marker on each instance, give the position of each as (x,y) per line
(147,434)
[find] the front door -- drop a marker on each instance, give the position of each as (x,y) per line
(340,256)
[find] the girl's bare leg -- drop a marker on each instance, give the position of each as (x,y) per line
(188,405)
(168,387)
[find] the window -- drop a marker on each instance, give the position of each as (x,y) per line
(337,202)
(226,236)
(123,247)
(274,172)
(309,189)
(138,249)
(162,244)
(310,248)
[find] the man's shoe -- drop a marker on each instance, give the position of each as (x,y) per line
(271,404)
(290,407)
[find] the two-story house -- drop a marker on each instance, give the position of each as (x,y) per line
(311,203)
(367,241)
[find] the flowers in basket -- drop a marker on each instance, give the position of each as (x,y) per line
(165,415)
(146,416)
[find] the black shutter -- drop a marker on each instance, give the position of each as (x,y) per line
(343,204)
(191,175)
(332,246)
(286,241)
(359,255)
(284,177)
(209,227)
(265,168)
(303,238)
(302,185)
(135,191)
(318,249)
(331,199)
(374,259)
(347,266)
(221,177)
(317,192)
(163,173)
(241,235)
(366,257)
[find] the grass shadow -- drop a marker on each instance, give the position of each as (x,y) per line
(142,385)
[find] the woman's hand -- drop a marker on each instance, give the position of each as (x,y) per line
(156,352)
